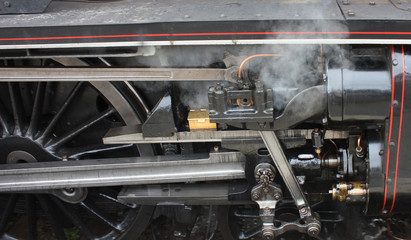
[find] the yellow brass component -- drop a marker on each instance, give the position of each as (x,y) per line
(343,190)
(244,102)
(198,120)
(357,189)
(340,191)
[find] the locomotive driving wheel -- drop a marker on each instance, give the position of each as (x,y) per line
(65,121)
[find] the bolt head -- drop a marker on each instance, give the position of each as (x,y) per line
(313,231)
(6,4)
(395,103)
(395,62)
(268,234)
(255,196)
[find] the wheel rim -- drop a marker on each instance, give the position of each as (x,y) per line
(239,222)
(49,133)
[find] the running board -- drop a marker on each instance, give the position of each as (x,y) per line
(122,171)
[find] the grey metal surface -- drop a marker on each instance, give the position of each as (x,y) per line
(281,41)
(111,74)
(23,6)
(122,171)
(273,145)
(132,134)
(66,13)
(375,9)
(76,53)
(176,194)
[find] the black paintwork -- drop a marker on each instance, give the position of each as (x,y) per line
(232,30)
(360,88)
(160,121)
(399,168)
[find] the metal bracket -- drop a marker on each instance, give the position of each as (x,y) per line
(160,122)
(312,225)
(266,195)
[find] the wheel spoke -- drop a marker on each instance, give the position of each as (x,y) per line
(31,217)
(8,212)
(44,137)
(250,233)
(111,195)
(17,107)
(75,219)
(37,108)
(81,151)
(5,119)
(101,215)
(64,139)
(54,221)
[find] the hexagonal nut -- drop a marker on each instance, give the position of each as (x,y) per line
(255,196)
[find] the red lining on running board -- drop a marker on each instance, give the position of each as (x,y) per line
(389,133)
(205,34)
(399,134)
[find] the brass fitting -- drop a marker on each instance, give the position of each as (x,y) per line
(198,120)
(349,192)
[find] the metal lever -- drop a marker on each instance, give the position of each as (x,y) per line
(266,195)
(312,225)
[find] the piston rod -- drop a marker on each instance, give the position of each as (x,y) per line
(114,74)
(122,171)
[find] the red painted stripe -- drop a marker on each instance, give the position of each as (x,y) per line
(206,34)
(390,131)
(399,134)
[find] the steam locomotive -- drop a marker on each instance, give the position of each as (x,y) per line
(205,119)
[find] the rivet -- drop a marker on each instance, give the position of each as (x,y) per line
(395,62)
(395,103)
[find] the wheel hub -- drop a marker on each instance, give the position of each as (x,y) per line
(17,149)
